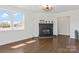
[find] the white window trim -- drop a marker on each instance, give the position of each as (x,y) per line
(13,28)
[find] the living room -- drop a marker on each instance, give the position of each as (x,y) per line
(60,23)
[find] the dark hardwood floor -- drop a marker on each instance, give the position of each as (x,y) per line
(55,44)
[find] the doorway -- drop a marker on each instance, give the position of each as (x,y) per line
(64,25)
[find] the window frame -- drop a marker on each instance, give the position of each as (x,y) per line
(11,21)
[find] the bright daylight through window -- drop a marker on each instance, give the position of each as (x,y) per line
(10,20)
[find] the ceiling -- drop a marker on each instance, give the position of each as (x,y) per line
(58,8)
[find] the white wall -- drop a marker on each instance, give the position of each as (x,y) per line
(16,35)
(74,20)
(31,24)
(44,16)
(31,29)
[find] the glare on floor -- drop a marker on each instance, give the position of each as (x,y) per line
(23,44)
(19,45)
(32,41)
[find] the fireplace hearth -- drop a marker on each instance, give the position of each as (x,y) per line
(45,29)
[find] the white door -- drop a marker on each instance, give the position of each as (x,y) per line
(64,25)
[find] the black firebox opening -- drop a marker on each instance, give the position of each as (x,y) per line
(45,29)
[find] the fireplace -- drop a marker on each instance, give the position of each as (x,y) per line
(45,29)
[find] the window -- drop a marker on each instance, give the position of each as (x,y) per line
(10,20)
